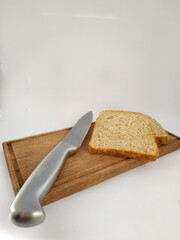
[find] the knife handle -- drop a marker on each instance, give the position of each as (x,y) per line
(26,210)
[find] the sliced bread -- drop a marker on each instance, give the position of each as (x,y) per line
(126,134)
(161,135)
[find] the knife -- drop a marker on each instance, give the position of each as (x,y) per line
(26,210)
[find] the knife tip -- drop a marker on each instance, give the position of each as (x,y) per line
(90,113)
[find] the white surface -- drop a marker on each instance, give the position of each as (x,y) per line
(60,59)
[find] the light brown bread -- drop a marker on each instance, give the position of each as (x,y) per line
(126,134)
(160,134)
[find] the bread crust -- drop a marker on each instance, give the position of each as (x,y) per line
(162,140)
(123,152)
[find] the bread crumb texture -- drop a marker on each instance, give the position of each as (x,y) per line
(126,134)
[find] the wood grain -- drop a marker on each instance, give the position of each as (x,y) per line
(80,171)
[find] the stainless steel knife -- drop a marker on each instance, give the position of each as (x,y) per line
(26,210)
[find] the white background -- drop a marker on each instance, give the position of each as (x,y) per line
(62,58)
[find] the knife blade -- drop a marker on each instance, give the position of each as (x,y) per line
(26,210)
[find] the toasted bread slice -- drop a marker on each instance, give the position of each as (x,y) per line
(126,134)
(160,134)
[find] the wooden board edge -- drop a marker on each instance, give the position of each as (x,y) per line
(170,148)
(89,180)
(172,134)
(37,135)
(34,136)
(9,161)
(60,191)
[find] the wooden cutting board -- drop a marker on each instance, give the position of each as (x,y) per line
(80,171)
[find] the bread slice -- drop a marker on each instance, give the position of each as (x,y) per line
(126,134)
(161,135)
